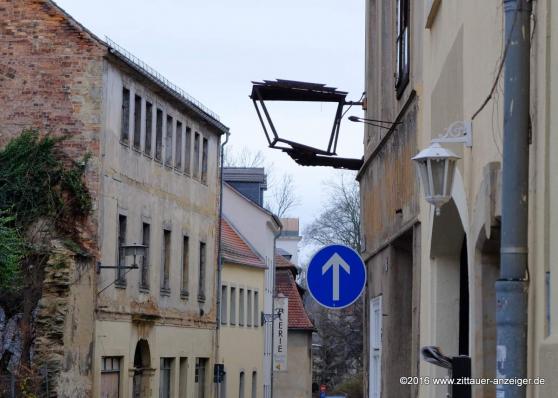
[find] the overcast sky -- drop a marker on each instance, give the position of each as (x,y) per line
(213,49)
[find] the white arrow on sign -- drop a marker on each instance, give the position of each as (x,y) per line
(335,262)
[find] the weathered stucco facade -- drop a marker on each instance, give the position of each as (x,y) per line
(154,179)
(455,52)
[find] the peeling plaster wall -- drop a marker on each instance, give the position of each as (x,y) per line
(145,190)
(65,324)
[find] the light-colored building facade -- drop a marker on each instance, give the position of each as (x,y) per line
(160,189)
(290,238)
(259,228)
(241,335)
(452,52)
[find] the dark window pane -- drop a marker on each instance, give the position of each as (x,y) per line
(137,122)
(148,127)
(125,124)
(159,136)
(168,141)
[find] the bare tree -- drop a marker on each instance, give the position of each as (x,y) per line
(281,193)
(243,158)
(283,196)
(339,222)
(340,332)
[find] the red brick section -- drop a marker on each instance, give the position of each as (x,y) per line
(285,284)
(236,250)
(51,72)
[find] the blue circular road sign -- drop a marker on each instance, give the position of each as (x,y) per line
(336,276)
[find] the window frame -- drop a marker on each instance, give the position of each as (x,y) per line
(202,269)
(402,45)
(121,229)
(185,265)
(144,270)
(166,261)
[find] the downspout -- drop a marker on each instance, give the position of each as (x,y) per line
(512,287)
(220,258)
(275,237)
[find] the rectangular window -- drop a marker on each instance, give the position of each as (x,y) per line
(148,128)
(224,304)
(204,160)
(168,141)
(232,318)
(201,377)
(201,278)
(183,381)
(241,385)
(375,347)
(185,266)
(120,272)
(125,123)
(159,136)
(402,46)
(137,122)
(197,155)
(256,310)
(165,378)
(165,286)
(187,151)
(249,307)
(254,384)
(110,377)
(144,274)
(241,307)
(178,146)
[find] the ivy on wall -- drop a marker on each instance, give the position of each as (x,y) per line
(38,182)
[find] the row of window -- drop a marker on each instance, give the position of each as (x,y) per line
(171,138)
(242,310)
(112,371)
(241,385)
(166,255)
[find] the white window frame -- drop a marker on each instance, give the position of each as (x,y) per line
(375,334)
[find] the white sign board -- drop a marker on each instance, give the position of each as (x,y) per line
(280,327)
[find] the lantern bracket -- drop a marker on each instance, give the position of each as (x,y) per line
(296,91)
(460,131)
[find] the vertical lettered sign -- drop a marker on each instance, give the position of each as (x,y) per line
(280,328)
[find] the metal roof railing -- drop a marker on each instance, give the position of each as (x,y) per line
(163,81)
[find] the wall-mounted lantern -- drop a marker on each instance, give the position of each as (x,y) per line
(436,164)
(290,90)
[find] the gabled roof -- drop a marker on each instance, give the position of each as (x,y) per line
(236,250)
(285,284)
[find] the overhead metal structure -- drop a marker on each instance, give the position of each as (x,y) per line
(290,90)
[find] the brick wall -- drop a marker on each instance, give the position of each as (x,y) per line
(51,80)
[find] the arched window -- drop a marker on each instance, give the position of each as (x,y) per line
(254,384)
(241,386)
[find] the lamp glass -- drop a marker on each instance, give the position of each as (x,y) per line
(436,167)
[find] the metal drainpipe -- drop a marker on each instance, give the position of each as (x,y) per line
(220,260)
(512,287)
(276,236)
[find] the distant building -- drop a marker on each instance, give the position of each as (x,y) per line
(241,332)
(243,258)
(154,180)
(296,381)
(250,181)
(287,243)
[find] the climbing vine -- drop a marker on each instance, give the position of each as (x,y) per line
(38,182)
